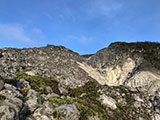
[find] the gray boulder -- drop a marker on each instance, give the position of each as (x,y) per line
(10,93)
(9,87)
(1,85)
(108,101)
(33,98)
(23,84)
(10,109)
(45,112)
(7,113)
(69,111)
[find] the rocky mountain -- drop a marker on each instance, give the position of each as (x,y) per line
(54,83)
(129,64)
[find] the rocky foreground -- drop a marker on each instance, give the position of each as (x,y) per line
(121,82)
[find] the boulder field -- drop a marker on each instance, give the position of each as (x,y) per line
(120,82)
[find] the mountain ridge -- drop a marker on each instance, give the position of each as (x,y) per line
(118,81)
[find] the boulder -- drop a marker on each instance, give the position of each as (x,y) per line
(10,93)
(32,101)
(1,85)
(7,113)
(108,101)
(69,111)
(45,112)
(23,84)
(10,109)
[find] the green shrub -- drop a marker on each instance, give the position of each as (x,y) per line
(86,109)
(88,104)
(90,89)
(24,92)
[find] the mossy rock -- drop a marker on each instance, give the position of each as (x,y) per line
(90,89)
(125,112)
(57,115)
(39,83)
(88,104)
(84,106)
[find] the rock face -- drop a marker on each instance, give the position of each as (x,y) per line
(130,64)
(55,83)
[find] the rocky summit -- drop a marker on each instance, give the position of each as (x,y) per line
(120,82)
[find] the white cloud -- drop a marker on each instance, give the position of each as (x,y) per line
(14,32)
(103,7)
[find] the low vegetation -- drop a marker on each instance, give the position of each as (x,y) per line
(85,98)
(24,92)
(2,97)
(85,107)
(40,83)
(125,112)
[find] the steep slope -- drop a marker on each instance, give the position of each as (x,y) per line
(129,64)
(55,83)
(53,61)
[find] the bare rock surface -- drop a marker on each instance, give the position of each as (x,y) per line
(32,101)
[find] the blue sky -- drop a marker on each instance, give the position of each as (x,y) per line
(84,26)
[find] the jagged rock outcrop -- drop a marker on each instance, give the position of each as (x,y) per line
(53,82)
(129,64)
